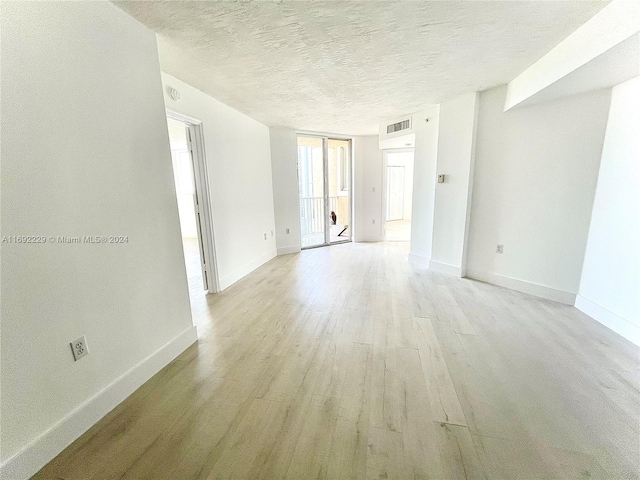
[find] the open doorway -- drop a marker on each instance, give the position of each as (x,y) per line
(191,192)
(324,185)
(398,194)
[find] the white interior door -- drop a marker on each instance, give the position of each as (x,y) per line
(395,193)
(198,211)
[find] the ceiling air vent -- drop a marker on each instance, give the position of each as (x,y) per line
(397,127)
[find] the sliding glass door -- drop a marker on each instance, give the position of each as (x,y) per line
(311,190)
(324,182)
(339,182)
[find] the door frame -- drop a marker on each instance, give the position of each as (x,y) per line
(325,137)
(385,187)
(206,230)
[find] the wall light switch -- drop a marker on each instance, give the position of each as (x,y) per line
(500,249)
(287,231)
(440,178)
(373,189)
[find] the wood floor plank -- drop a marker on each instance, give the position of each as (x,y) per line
(497,457)
(384,455)
(445,405)
(311,455)
(453,312)
(458,452)
(350,362)
(349,447)
(386,401)
(419,433)
(580,465)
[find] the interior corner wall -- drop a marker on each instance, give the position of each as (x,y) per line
(85,152)
(456,155)
(535,176)
(610,283)
(284,168)
(424,181)
(369,225)
(238,154)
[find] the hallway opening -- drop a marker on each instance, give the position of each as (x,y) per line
(398,173)
(188,206)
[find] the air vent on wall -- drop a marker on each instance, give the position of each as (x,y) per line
(396,127)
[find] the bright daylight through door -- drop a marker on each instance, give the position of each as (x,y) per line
(324,177)
(187,208)
(399,195)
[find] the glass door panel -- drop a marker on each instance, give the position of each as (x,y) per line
(311,190)
(339,189)
(324,186)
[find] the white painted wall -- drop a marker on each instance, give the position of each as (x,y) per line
(610,284)
(456,157)
(424,181)
(369,190)
(403,141)
(85,151)
(612,25)
(286,199)
(535,175)
(239,168)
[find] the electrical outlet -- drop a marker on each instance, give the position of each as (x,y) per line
(265,236)
(499,248)
(287,231)
(373,189)
(373,221)
(79,348)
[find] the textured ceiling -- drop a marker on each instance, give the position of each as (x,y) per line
(344,67)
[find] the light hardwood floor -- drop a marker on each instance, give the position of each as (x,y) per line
(349,362)
(398,231)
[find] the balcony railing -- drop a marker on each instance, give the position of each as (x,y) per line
(312,213)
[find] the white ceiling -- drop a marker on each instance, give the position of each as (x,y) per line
(344,67)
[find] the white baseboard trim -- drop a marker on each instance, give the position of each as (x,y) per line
(445,268)
(419,260)
(609,319)
(289,249)
(233,277)
(523,286)
(43,449)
